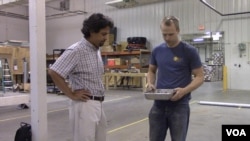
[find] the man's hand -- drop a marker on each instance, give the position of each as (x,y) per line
(150,87)
(82,95)
(178,94)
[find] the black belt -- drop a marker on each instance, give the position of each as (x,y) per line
(98,98)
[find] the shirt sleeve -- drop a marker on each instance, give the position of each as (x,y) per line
(152,58)
(195,59)
(66,63)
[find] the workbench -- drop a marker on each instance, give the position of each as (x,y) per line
(143,77)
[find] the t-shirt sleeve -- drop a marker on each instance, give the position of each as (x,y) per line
(65,63)
(152,58)
(195,61)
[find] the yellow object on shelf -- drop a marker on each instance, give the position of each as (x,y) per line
(225,78)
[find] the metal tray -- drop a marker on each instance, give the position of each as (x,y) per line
(159,94)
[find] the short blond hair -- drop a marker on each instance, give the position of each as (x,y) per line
(171,19)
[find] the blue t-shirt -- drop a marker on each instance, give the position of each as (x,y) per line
(174,66)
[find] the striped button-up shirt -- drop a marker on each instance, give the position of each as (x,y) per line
(82,64)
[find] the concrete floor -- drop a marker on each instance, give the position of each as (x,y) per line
(127,112)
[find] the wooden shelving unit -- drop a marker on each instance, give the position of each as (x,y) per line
(122,66)
(142,55)
(15,56)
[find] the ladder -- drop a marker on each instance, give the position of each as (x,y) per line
(7,83)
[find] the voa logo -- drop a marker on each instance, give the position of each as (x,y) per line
(236,132)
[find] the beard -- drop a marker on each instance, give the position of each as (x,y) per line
(101,43)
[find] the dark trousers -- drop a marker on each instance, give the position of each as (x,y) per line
(174,117)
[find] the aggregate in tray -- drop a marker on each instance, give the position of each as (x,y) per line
(159,94)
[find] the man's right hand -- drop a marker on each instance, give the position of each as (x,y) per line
(82,95)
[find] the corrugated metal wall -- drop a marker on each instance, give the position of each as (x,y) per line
(145,20)
(14,28)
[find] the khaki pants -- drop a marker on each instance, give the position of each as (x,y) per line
(88,121)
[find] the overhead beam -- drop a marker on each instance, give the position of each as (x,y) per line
(218,12)
(13,3)
(130,3)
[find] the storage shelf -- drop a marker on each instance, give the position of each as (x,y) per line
(122,66)
(134,52)
(128,55)
(120,53)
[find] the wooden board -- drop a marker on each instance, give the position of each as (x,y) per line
(15,56)
(116,75)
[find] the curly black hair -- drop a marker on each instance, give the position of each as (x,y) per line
(95,23)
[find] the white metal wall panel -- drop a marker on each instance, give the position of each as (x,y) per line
(145,20)
(237,31)
(61,33)
(138,21)
(13,29)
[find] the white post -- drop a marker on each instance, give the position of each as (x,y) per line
(38,70)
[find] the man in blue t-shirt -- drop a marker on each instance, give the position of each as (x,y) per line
(171,66)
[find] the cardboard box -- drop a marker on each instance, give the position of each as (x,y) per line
(123,45)
(134,60)
(111,62)
(119,48)
(117,61)
(110,40)
(107,48)
(26,87)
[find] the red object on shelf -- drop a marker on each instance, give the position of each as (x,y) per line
(111,62)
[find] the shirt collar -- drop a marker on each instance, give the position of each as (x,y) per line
(89,45)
